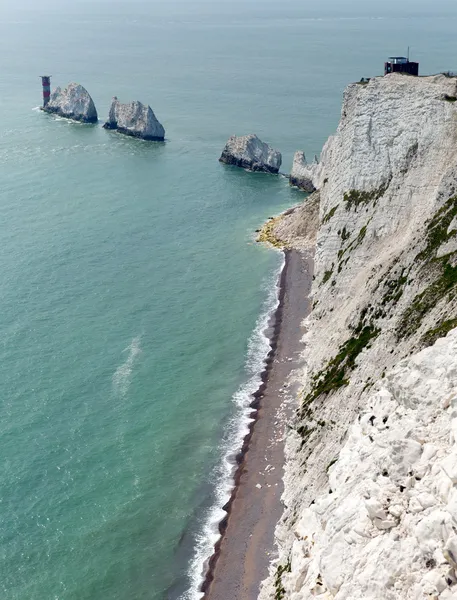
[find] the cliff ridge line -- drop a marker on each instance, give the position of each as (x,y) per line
(385,288)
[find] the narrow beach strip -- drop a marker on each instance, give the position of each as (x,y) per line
(243,552)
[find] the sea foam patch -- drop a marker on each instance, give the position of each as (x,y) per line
(123,375)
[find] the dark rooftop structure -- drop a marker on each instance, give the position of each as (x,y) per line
(401,64)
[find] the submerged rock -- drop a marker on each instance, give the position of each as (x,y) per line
(302,174)
(74,102)
(251,153)
(135,119)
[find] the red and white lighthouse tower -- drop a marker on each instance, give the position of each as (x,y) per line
(46,82)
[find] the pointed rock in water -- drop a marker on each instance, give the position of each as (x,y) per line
(74,102)
(249,152)
(135,119)
(302,174)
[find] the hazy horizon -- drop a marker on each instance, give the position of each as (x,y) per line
(339,8)
(134,298)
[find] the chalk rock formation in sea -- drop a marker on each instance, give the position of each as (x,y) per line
(302,174)
(249,152)
(135,119)
(74,102)
(370,483)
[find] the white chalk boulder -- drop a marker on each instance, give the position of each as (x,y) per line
(249,152)
(135,119)
(74,102)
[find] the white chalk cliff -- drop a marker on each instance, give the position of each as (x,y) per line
(74,102)
(386,526)
(303,174)
(371,472)
(135,119)
(249,152)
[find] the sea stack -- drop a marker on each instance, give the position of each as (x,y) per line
(74,102)
(248,152)
(302,174)
(135,119)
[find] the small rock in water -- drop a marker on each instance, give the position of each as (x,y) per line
(248,152)
(135,119)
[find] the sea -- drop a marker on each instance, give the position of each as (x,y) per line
(134,299)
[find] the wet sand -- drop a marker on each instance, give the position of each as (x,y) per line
(243,554)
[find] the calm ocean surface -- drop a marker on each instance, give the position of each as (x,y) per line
(131,291)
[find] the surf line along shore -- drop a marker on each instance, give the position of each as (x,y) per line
(244,551)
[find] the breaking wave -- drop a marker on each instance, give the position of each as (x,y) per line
(258,348)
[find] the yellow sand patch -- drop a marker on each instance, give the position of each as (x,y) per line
(267,233)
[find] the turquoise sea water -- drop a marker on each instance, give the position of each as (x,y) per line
(133,297)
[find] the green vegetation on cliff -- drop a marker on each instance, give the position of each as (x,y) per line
(279,588)
(440,330)
(336,374)
(441,272)
(357,197)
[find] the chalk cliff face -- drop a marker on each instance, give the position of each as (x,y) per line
(249,152)
(388,527)
(302,174)
(371,460)
(135,119)
(74,102)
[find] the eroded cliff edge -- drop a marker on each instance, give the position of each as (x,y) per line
(370,510)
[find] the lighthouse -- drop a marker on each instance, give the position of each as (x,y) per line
(46,82)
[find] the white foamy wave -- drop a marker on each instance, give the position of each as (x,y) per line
(258,349)
(123,374)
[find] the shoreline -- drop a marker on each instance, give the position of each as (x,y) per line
(282,359)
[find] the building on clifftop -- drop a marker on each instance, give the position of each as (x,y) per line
(401,64)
